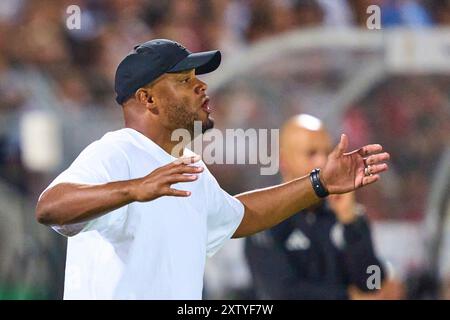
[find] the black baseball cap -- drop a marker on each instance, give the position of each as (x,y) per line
(153,58)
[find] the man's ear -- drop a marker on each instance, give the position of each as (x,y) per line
(144,96)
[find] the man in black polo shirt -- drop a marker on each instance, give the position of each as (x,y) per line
(323,252)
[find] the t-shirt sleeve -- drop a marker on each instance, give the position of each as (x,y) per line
(225,213)
(101,162)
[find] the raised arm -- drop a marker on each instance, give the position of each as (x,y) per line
(342,173)
(68,203)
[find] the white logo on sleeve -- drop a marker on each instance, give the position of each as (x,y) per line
(297,241)
(337,236)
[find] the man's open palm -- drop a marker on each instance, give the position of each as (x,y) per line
(345,172)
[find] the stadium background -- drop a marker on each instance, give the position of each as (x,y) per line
(280,58)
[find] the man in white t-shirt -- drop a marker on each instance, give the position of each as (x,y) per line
(141,221)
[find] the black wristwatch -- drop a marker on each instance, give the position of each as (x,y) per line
(318,187)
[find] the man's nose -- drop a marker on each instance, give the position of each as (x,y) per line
(200,87)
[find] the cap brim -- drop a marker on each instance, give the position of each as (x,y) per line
(202,62)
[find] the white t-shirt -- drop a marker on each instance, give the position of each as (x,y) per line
(144,250)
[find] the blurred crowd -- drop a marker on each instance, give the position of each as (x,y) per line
(79,65)
(46,66)
(416,111)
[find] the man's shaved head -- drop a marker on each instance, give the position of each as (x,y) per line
(304,145)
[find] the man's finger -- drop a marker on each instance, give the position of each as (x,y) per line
(370,149)
(378,168)
(176,178)
(185,169)
(340,149)
(370,179)
(177,193)
(376,158)
(188,160)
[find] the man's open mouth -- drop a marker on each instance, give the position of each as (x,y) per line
(206,106)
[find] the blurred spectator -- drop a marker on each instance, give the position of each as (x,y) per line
(393,12)
(337,13)
(322,252)
(418,111)
(404,12)
(359,10)
(309,13)
(440,10)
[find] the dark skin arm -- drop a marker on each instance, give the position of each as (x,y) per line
(68,203)
(264,208)
(267,207)
(343,172)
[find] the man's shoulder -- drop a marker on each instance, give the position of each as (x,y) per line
(120,136)
(112,143)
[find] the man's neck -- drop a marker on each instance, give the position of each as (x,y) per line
(161,137)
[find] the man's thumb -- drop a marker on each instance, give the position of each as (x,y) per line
(341,147)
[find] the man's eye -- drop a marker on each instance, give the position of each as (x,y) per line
(185,80)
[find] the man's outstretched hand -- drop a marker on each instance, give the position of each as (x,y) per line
(346,172)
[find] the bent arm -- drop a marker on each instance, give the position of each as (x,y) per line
(342,173)
(267,207)
(68,203)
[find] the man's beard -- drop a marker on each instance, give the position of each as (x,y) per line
(207,124)
(180,118)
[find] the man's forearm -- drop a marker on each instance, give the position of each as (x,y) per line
(267,207)
(68,203)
